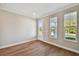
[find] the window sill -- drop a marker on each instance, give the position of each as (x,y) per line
(52,37)
(75,41)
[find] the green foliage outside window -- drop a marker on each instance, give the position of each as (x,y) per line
(70,27)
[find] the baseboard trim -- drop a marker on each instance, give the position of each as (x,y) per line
(10,45)
(73,50)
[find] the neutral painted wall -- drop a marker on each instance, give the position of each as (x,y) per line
(60,39)
(15,28)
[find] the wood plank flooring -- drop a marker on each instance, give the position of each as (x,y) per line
(35,48)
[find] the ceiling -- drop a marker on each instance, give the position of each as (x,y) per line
(32,9)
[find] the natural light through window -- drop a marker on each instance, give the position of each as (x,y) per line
(40,29)
(53,26)
(70,25)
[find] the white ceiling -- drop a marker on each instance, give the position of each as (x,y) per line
(28,9)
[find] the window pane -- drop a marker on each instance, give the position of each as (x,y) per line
(70,24)
(53,26)
(40,29)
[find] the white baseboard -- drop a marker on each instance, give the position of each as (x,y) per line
(73,50)
(1,47)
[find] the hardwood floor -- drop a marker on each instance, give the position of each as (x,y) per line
(35,48)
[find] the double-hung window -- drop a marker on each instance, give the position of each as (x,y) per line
(53,27)
(70,26)
(40,29)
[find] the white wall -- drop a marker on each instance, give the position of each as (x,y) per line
(15,28)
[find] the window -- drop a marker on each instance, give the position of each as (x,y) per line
(40,29)
(53,27)
(70,25)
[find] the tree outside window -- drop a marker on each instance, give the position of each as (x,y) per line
(53,26)
(70,24)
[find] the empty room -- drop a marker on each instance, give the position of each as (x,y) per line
(39,29)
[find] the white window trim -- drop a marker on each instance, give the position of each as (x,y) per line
(40,26)
(56,29)
(76,30)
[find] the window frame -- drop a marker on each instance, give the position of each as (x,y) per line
(75,26)
(40,25)
(53,36)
